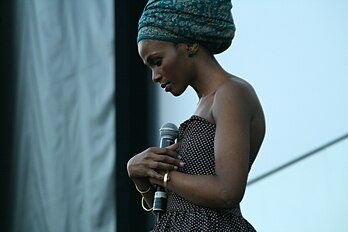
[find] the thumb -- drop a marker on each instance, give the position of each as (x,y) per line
(173,147)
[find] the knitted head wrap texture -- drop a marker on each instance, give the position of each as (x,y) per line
(207,22)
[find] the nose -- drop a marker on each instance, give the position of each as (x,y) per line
(156,76)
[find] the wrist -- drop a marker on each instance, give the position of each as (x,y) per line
(143,186)
(143,191)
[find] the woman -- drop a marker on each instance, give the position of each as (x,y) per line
(206,172)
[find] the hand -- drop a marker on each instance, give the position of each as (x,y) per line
(153,163)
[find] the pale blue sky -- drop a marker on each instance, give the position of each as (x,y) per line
(295,54)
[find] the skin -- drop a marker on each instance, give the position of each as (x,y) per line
(225,100)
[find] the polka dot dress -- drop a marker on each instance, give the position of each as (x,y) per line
(196,136)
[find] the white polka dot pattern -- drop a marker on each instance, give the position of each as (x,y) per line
(196,136)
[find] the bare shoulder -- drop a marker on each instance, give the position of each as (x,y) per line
(236,90)
(237,100)
(235,105)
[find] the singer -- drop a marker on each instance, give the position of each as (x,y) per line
(205,172)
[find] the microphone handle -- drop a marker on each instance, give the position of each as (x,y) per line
(160,198)
(165,142)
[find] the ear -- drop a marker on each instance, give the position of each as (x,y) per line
(192,49)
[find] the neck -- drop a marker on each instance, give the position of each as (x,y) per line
(209,76)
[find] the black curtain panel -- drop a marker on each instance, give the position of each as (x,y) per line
(7,80)
(133,115)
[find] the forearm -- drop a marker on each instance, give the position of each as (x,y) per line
(205,190)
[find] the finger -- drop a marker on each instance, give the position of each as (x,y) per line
(169,152)
(164,166)
(154,175)
(155,181)
(173,147)
(165,156)
(170,160)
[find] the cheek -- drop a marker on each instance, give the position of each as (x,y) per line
(168,68)
(174,70)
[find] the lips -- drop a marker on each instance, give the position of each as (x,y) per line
(165,84)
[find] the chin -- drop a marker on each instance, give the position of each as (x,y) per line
(176,93)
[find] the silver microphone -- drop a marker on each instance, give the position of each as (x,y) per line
(168,133)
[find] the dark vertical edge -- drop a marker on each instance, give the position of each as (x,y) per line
(7,85)
(133,98)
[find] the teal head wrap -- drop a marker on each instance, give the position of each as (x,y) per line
(207,22)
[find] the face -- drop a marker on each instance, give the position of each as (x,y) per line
(169,63)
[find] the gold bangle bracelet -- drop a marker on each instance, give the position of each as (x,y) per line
(143,192)
(165,181)
(143,205)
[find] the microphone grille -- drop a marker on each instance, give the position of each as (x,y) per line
(169,131)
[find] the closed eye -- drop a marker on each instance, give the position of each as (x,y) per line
(157,62)
(154,61)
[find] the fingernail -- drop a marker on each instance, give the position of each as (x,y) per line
(182,164)
(175,167)
(179,157)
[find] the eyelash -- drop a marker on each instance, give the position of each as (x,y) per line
(157,62)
